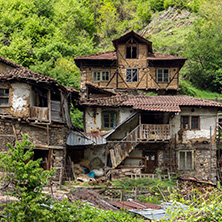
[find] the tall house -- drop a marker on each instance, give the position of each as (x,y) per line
(132,68)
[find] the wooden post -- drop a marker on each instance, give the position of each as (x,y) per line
(49,105)
(136,192)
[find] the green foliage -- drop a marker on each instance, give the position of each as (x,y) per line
(77,118)
(156,5)
(189,89)
(27,179)
(150,199)
(131,183)
(203,49)
(202,207)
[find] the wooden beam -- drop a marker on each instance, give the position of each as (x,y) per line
(49,104)
(48,147)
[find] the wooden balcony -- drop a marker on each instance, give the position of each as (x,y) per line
(149,132)
(39,113)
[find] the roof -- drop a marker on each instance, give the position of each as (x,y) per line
(25,74)
(110,55)
(9,62)
(138,38)
(158,56)
(152,103)
(96,88)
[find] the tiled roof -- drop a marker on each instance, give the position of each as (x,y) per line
(25,74)
(158,56)
(152,103)
(105,91)
(7,61)
(110,55)
(113,101)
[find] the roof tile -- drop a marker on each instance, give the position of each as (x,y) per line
(152,103)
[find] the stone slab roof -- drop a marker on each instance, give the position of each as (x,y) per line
(152,103)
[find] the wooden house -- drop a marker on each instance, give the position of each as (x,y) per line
(37,105)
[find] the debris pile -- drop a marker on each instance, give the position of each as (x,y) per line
(188,185)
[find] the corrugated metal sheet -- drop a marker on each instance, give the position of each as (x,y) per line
(80,139)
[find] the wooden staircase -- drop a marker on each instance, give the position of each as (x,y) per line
(122,149)
(142,133)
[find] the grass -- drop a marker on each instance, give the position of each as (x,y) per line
(144,182)
(188,89)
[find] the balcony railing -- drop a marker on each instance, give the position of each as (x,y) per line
(39,113)
(149,132)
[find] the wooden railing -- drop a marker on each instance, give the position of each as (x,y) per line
(143,132)
(154,132)
(39,113)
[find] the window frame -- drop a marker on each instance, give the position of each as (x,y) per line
(131,46)
(186,160)
(101,72)
(190,122)
(111,124)
(131,75)
(162,74)
(4,96)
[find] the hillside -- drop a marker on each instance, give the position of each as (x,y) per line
(45,35)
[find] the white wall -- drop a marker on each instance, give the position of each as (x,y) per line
(96,123)
(207,120)
(20,97)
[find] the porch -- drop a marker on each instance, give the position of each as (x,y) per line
(149,132)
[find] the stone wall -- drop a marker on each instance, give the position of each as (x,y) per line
(11,130)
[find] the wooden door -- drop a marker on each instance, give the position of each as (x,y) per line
(151,161)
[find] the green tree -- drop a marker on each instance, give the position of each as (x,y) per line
(204,49)
(27,179)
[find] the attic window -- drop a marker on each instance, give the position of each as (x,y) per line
(4,97)
(131,52)
(101,76)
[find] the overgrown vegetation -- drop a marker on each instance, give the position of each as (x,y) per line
(202,207)
(26,180)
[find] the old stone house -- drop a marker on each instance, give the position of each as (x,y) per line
(37,105)
(128,129)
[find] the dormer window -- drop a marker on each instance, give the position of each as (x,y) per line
(131,52)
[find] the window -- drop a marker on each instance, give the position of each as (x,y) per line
(195,122)
(101,76)
(109,119)
(184,122)
(131,75)
(4,97)
(131,52)
(163,75)
(190,122)
(186,160)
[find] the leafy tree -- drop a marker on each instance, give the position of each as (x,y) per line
(27,179)
(204,49)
